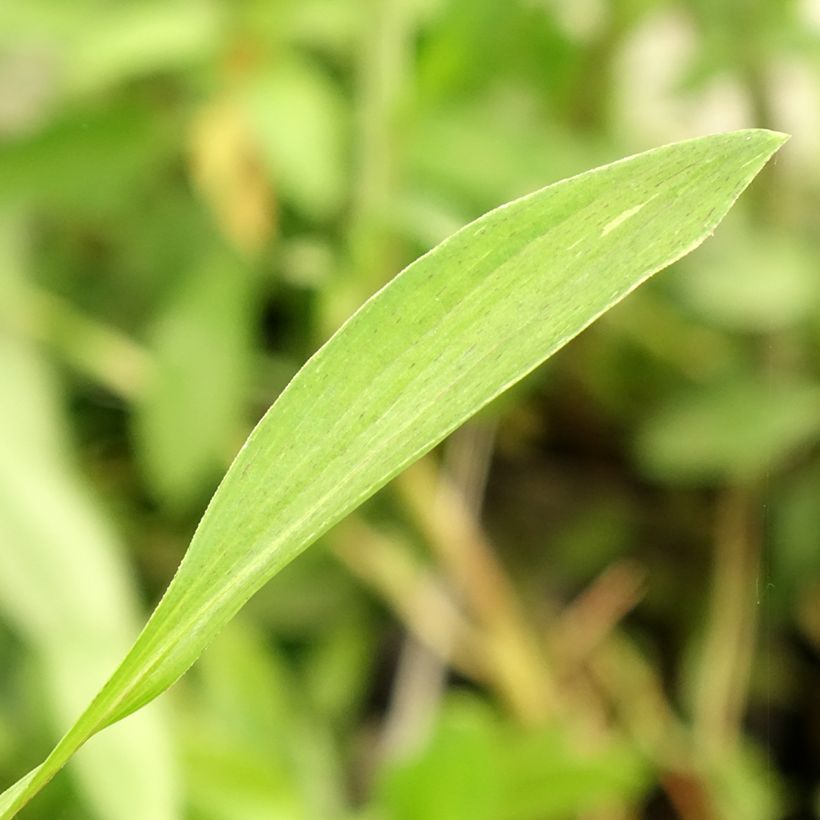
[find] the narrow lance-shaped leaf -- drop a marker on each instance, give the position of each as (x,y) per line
(447,335)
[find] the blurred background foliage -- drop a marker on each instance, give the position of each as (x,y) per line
(599,600)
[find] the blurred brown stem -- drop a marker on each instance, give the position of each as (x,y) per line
(723,674)
(415,594)
(91,347)
(592,616)
(631,684)
(421,674)
(518,663)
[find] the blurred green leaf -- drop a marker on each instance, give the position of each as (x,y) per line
(338,669)
(731,432)
(86,160)
(64,586)
(752,281)
(455,150)
(87,46)
(796,557)
(298,118)
(251,749)
(458,775)
(549,776)
(190,418)
(320,24)
(602,529)
(477,766)
(446,336)
(130,40)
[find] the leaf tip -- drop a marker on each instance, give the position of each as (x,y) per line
(772,140)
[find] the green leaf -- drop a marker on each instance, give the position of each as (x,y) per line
(478,766)
(454,330)
(125,41)
(298,118)
(191,415)
(737,432)
(64,582)
(252,749)
(753,281)
(795,563)
(87,161)
(458,774)
(58,548)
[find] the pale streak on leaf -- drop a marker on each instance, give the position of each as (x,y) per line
(621,218)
